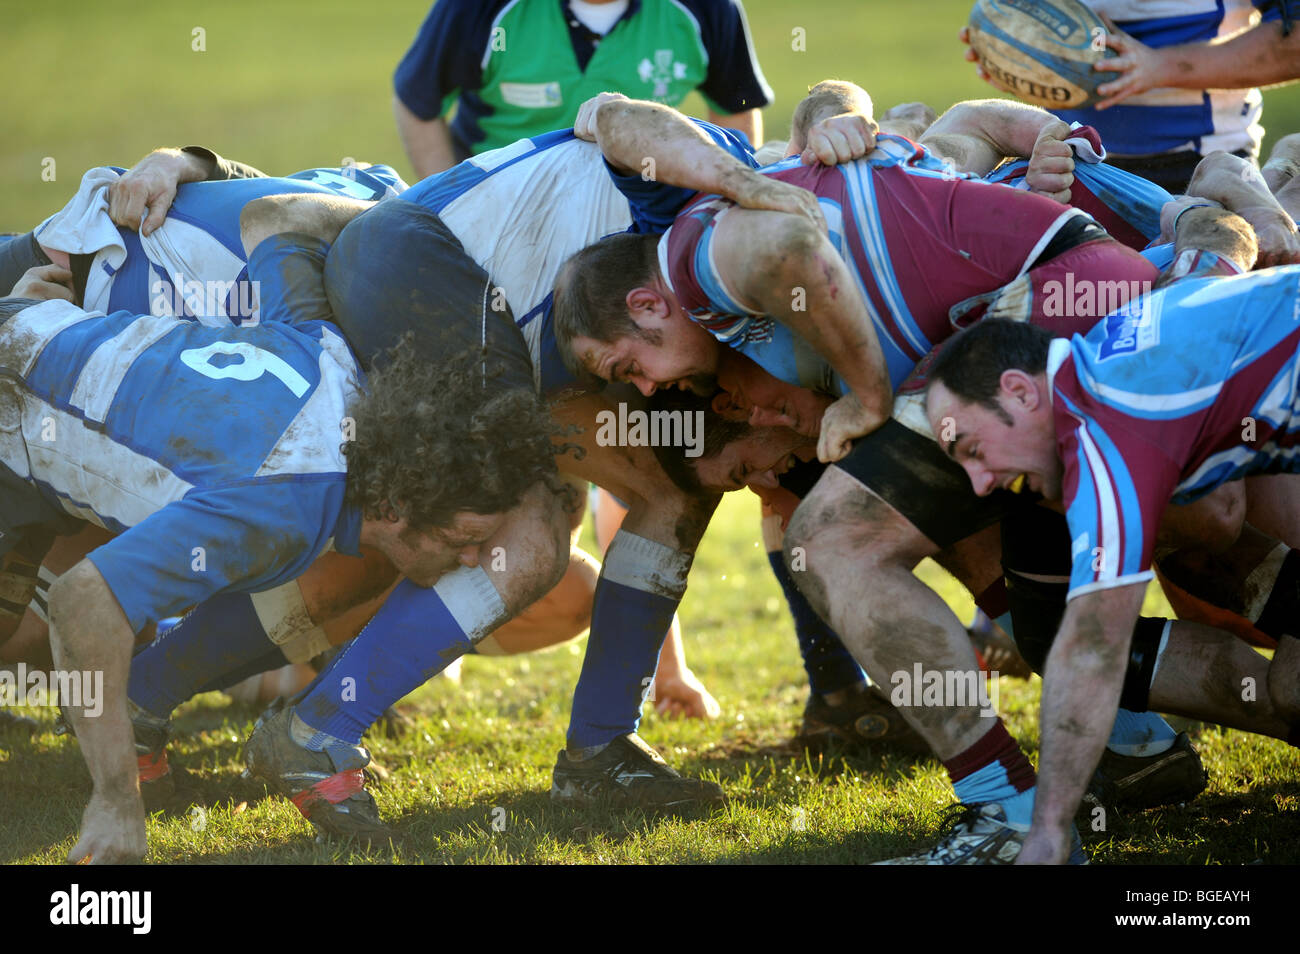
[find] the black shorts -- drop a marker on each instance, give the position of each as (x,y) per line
(396,269)
(911,474)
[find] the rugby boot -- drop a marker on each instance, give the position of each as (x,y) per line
(630,773)
(157,784)
(327,787)
(980,835)
(1135,782)
(867,717)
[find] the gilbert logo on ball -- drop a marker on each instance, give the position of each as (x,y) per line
(1040,51)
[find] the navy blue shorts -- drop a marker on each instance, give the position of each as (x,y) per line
(397,269)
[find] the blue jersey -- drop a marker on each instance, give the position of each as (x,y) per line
(1195,385)
(193,266)
(523,210)
(214,453)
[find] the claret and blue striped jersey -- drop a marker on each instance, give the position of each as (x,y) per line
(1125,205)
(915,235)
(1194,386)
(193,266)
(214,453)
(522,210)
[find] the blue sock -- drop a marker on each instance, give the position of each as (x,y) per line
(415,635)
(1140,733)
(222,635)
(995,770)
(829,664)
(641,583)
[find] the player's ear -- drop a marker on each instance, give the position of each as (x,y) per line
(1020,388)
(644,302)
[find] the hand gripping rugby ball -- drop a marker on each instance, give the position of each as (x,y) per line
(1041,51)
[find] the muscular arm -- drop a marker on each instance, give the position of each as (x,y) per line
(427,141)
(979,134)
(320,216)
(1239,187)
(1260,56)
(1081,690)
(779,265)
(89,633)
(657,141)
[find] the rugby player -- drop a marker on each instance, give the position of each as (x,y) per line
(497,181)
(1117,425)
(221,459)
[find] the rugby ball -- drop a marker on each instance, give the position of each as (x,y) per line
(1041,51)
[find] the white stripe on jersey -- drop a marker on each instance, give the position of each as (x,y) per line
(197,264)
(1107,506)
(522,223)
(312,443)
(92,469)
(24,336)
(104,370)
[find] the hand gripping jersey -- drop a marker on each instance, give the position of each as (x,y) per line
(1193,386)
(917,238)
(193,266)
(213,452)
(521,211)
(1125,205)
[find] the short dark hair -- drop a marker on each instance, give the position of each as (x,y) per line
(718,433)
(431,440)
(590,298)
(971,363)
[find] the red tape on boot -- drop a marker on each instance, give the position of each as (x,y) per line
(152,767)
(337,788)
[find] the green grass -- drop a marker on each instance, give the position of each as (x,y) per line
(491,743)
(288,86)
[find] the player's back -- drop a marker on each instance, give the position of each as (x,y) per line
(114,416)
(1205,369)
(193,265)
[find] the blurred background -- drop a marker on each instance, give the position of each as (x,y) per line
(287,86)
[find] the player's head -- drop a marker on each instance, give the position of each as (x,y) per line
(731,453)
(827,98)
(617,320)
(989,405)
(438,454)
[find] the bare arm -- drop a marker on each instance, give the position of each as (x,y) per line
(1260,56)
(779,265)
(1212,229)
(1283,162)
(660,143)
(979,134)
(1239,187)
(1081,690)
(427,141)
(320,216)
(89,633)
(750,122)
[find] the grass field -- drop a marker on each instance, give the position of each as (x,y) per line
(490,745)
(288,86)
